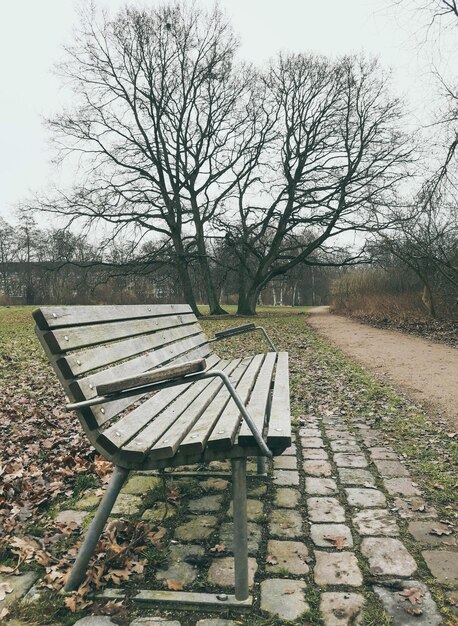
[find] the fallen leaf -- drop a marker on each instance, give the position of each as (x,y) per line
(413,610)
(3,613)
(440,531)
(339,541)
(413,594)
(174,585)
(219,547)
(271,560)
(288,592)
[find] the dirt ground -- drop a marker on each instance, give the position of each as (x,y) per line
(426,371)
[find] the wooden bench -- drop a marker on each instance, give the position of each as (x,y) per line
(150,393)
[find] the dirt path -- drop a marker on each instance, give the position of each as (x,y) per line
(428,372)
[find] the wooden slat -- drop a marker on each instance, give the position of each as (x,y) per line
(127,427)
(225,429)
(79,363)
(279,432)
(170,441)
(259,400)
(60,316)
(104,412)
(85,388)
(196,440)
(139,447)
(66,339)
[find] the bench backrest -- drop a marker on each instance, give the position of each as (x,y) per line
(90,345)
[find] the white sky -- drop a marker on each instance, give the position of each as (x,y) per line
(33,31)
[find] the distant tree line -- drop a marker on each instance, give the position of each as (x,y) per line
(52,266)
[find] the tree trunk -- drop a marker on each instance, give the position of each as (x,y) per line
(212,299)
(184,277)
(247,302)
(428,300)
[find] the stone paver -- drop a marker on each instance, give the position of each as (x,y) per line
(335,434)
(342,459)
(401,487)
(364,498)
(285,523)
(312,442)
(159,511)
(127,504)
(287,498)
(341,608)
(179,572)
(221,571)
(207,504)
(325,510)
(432,533)
(337,568)
(196,529)
(71,517)
(315,454)
(88,502)
(391,468)
(387,557)
(214,484)
(383,454)
(284,598)
(286,478)
(400,608)
(443,565)
(138,485)
(355,476)
(413,508)
(254,510)
(328,535)
(256,491)
(226,537)
(291,451)
(317,468)
(309,432)
(375,522)
(320,486)
(285,462)
(290,556)
(346,445)
(20,586)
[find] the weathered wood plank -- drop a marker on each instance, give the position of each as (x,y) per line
(60,316)
(79,363)
(127,427)
(225,429)
(161,374)
(259,401)
(102,413)
(279,431)
(75,337)
(196,440)
(171,439)
(139,446)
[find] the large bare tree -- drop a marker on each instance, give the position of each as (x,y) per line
(165,124)
(338,157)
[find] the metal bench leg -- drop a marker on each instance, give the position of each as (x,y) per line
(240,528)
(261,465)
(95,529)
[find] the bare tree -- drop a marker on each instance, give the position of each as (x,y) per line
(165,125)
(338,157)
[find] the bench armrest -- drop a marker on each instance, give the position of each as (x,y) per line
(240,330)
(170,372)
(237,330)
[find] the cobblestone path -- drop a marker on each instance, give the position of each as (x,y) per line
(338,533)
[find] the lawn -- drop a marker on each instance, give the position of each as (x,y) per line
(46,462)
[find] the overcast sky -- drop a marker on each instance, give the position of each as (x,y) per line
(32,33)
